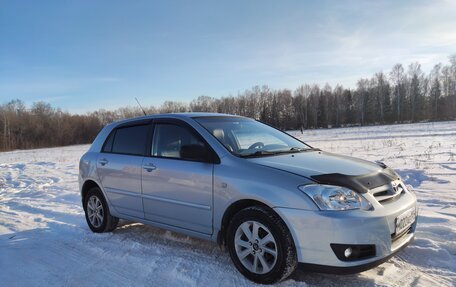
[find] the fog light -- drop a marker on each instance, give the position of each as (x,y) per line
(352,252)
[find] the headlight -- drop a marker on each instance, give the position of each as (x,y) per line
(330,197)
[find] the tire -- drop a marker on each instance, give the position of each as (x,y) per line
(267,222)
(102,221)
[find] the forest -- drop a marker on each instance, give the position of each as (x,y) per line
(401,95)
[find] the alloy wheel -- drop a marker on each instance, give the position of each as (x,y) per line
(95,211)
(255,247)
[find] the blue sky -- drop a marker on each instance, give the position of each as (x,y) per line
(85,55)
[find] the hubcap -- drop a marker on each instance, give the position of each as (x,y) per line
(255,247)
(95,211)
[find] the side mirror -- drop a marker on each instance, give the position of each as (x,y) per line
(194,152)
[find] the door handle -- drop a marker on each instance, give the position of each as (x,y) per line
(103,161)
(149,167)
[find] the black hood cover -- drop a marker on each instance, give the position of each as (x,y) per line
(358,183)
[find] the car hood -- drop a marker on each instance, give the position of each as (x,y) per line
(328,168)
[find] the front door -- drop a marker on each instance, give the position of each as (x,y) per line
(177,190)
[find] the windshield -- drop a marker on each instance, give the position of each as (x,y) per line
(247,138)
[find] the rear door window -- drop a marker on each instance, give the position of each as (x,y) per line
(131,140)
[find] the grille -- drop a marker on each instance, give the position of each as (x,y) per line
(389,192)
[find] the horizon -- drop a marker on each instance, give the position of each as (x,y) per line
(85,56)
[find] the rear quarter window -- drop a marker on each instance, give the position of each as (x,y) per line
(107,147)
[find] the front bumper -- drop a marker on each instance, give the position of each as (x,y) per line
(314,231)
(350,269)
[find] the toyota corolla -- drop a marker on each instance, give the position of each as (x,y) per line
(275,202)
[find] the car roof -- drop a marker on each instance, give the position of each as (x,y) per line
(174,115)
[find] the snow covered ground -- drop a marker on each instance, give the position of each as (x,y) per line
(44,240)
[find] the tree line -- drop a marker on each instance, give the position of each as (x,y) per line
(402,95)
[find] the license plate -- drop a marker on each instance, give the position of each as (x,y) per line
(404,220)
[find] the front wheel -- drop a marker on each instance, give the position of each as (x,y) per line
(97,212)
(261,246)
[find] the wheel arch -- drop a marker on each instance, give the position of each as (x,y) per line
(88,185)
(235,207)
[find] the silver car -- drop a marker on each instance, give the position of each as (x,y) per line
(272,200)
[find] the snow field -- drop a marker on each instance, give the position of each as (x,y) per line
(44,239)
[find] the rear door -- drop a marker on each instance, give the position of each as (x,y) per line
(177,190)
(119,167)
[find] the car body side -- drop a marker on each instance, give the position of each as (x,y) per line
(238,183)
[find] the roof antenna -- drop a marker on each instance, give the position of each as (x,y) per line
(140,106)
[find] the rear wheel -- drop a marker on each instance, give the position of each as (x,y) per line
(97,212)
(261,246)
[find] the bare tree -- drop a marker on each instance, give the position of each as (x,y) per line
(398,78)
(415,90)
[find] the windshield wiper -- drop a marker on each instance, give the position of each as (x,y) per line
(294,149)
(297,149)
(259,153)
(266,152)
